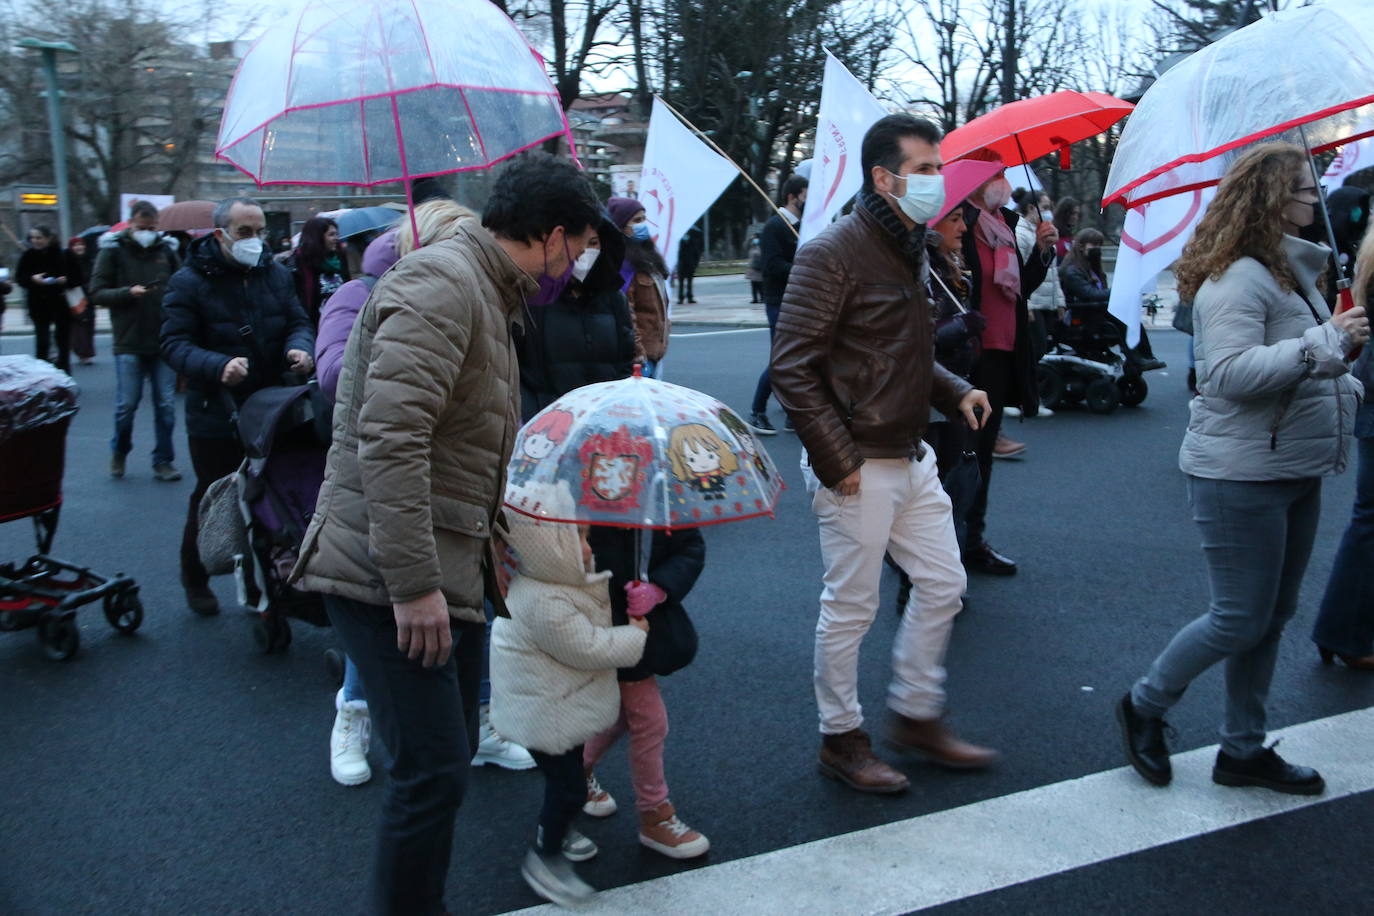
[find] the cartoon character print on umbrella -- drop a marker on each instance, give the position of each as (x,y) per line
(701,459)
(545,434)
(747,443)
(614,470)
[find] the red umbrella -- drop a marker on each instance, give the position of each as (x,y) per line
(1021,132)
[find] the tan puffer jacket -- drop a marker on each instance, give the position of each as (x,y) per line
(554,660)
(426,414)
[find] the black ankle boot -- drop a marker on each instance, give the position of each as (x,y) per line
(1267,770)
(1143,737)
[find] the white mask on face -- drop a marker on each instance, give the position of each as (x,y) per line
(997,194)
(583,265)
(146,237)
(1046,216)
(925,195)
(247,251)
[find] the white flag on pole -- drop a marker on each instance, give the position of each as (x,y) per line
(1151,240)
(848,110)
(682,177)
(1351,158)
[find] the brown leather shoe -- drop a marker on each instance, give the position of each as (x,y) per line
(932,740)
(1006,447)
(850,759)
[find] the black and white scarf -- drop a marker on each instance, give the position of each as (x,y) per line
(912,241)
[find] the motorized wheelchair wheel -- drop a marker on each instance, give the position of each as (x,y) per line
(1051,385)
(59,637)
(1133,390)
(1102,395)
(124,611)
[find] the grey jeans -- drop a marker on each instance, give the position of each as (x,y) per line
(1256,537)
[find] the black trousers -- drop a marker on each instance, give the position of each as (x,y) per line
(426,718)
(565,791)
(755,291)
(765,386)
(211,459)
(993,374)
(49,320)
(684,287)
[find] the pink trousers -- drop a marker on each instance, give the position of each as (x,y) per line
(644,716)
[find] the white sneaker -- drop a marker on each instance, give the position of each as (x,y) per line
(349,741)
(1044,412)
(553,878)
(492,748)
(576,847)
(1011,411)
(599,802)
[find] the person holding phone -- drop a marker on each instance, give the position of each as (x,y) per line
(131,272)
(42,273)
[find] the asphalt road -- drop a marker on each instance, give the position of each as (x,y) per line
(180,771)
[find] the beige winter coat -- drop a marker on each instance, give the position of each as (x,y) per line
(424,421)
(554,660)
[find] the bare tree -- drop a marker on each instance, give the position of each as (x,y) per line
(585,38)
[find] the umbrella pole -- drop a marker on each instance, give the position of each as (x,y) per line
(1347,299)
(640,574)
(1030,180)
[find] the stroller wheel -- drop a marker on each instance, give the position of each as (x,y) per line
(124,611)
(59,637)
(1102,396)
(334,661)
(1133,390)
(272,634)
(1051,385)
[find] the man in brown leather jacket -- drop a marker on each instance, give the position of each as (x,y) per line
(853,364)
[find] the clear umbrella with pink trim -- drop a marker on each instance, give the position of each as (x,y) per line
(364,92)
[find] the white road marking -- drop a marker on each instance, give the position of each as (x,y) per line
(950,855)
(718,333)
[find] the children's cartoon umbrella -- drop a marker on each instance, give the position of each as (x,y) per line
(361,92)
(645,454)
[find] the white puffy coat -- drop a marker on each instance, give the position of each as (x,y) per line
(554,660)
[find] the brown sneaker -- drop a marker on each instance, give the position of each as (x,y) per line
(661,831)
(1008,448)
(850,759)
(932,740)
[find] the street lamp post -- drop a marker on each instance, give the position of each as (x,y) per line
(49,50)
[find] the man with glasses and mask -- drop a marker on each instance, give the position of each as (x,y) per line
(853,365)
(401,545)
(231,323)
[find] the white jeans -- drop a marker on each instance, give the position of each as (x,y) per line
(900,509)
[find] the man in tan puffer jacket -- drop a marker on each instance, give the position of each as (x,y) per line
(553,678)
(401,542)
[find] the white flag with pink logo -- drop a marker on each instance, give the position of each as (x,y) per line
(1151,240)
(1351,158)
(682,177)
(848,110)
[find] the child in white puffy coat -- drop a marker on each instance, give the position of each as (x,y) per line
(553,676)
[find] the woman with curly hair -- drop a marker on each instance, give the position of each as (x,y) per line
(1274,413)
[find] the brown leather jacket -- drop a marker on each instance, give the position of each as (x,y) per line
(853,355)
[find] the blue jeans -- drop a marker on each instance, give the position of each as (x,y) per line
(130,371)
(353,682)
(765,385)
(649,369)
(1257,538)
(1345,623)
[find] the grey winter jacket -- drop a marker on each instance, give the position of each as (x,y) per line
(1276,399)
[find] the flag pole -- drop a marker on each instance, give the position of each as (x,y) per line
(711,143)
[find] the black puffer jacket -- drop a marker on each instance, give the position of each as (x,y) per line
(213,311)
(578,340)
(675,562)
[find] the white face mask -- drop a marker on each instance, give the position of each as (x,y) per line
(998,194)
(146,237)
(925,195)
(1046,216)
(247,251)
(583,265)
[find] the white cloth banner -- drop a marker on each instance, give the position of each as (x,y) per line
(1151,240)
(848,110)
(1351,158)
(682,177)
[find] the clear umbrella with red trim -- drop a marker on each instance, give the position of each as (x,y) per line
(363,92)
(1304,75)
(644,454)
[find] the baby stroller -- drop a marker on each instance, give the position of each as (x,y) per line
(253,521)
(37,403)
(1083,365)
